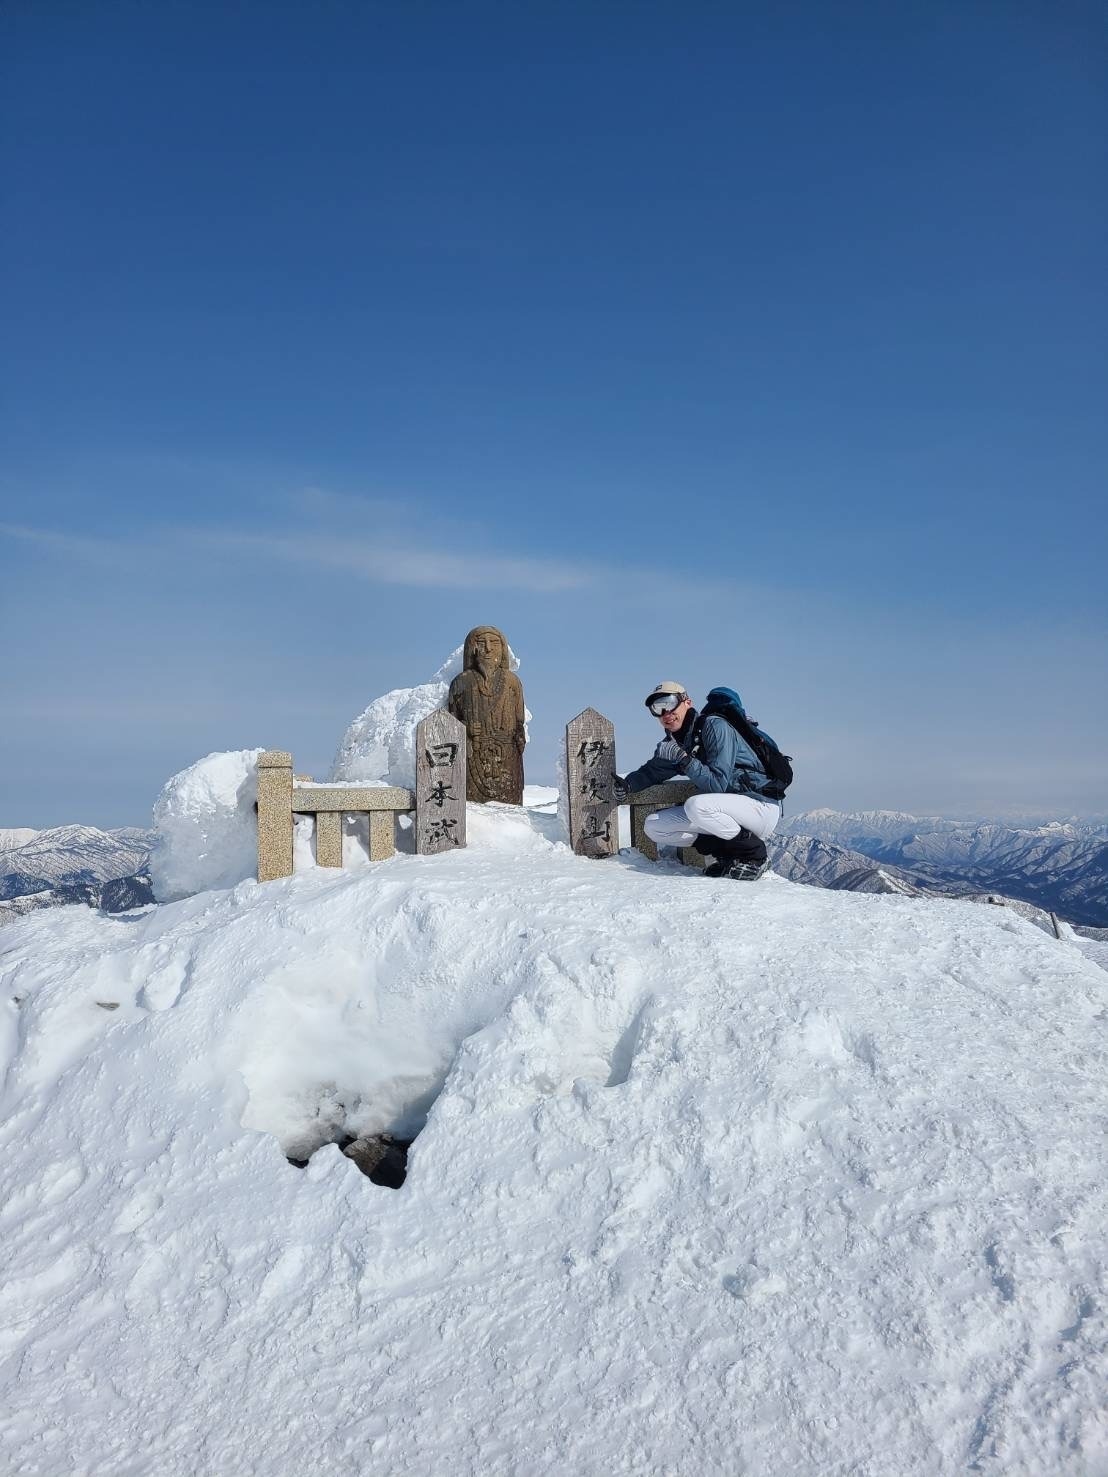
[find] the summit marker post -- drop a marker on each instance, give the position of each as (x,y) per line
(440,795)
(590,765)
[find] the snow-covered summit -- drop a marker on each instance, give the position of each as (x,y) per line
(711,1177)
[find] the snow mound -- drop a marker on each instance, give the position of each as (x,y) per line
(379,745)
(711,1178)
(205,828)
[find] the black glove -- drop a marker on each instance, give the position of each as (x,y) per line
(620,791)
(670,750)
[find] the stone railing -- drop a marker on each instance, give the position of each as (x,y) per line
(438,803)
(593,811)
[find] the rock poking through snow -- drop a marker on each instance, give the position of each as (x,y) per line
(382,1158)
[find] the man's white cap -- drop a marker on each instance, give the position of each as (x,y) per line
(665,689)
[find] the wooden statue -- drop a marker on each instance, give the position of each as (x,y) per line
(488,699)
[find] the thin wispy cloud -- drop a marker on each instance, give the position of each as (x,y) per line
(391,561)
(386,558)
(384,561)
(322,502)
(114,708)
(415,565)
(71,545)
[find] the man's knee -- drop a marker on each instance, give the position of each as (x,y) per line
(696,808)
(666,827)
(705,814)
(654,826)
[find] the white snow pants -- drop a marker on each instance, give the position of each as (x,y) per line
(712,815)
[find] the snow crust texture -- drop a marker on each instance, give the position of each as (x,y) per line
(713,1179)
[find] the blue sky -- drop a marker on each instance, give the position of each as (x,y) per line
(742,344)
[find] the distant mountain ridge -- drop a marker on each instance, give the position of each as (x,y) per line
(1061,866)
(820,864)
(66,856)
(117,896)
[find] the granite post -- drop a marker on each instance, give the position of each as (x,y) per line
(274,815)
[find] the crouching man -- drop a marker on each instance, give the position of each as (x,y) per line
(729,818)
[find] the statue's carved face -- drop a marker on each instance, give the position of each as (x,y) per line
(488,652)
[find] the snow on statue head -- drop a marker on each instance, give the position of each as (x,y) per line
(205,829)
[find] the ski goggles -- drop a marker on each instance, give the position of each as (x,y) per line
(665,702)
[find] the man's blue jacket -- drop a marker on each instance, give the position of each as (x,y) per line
(723,762)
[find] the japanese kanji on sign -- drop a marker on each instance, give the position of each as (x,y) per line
(440,805)
(590,764)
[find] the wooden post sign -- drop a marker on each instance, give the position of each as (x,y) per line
(590,764)
(440,806)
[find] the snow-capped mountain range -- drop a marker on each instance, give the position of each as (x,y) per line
(1061,866)
(64,856)
(819,864)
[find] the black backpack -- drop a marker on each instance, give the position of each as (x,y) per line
(724,702)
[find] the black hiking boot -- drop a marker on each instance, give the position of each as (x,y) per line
(740,871)
(743,859)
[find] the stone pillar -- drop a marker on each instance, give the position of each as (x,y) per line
(440,795)
(590,764)
(274,815)
(639,839)
(328,838)
(382,835)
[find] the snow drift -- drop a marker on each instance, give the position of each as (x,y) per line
(711,1178)
(205,829)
